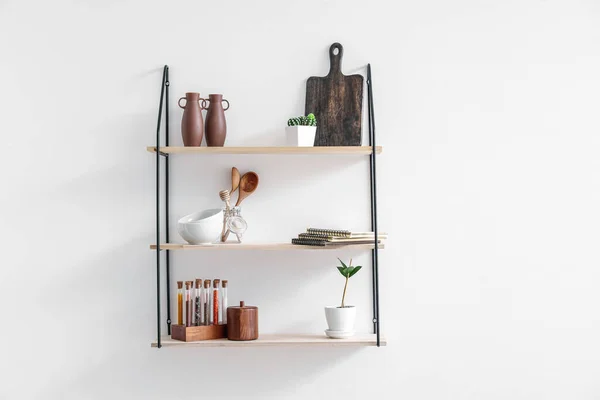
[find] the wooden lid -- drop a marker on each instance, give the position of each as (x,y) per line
(198,282)
(244,306)
(179,284)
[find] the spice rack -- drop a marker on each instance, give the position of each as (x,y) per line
(375,339)
(194,333)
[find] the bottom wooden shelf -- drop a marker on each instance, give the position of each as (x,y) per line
(359,340)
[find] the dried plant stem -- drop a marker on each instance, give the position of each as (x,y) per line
(344,295)
(346,285)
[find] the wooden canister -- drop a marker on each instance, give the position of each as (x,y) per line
(242,322)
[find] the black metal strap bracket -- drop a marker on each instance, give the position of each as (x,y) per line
(373,164)
(167,209)
(164,99)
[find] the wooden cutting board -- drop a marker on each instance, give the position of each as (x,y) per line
(336,101)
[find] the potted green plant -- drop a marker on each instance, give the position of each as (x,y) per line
(340,319)
(301,131)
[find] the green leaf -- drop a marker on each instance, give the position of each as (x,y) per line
(342,271)
(345,266)
(355,270)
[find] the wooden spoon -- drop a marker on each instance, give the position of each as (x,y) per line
(235,180)
(248,185)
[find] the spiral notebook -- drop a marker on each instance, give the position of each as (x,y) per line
(328,237)
(328,232)
(340,233)
(323,242)
(353,237)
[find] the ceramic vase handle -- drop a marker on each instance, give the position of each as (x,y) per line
(179,102)
(225,109)
(203,105)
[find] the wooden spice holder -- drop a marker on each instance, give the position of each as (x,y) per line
(195,333)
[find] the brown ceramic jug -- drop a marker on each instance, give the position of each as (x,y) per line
(216,127)
(192,125)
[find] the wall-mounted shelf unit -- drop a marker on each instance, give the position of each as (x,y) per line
(363,340)
(261,246)
(164,244)
(348,150)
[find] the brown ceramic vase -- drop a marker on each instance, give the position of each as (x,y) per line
(216,127)
(192,125)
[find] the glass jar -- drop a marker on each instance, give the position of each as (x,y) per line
(234,222)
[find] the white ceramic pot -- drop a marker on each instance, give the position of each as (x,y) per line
(301,136)
(201,227)
(340,319)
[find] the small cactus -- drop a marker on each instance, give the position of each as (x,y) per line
(308,120)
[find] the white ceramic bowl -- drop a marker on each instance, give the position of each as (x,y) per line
(201,227)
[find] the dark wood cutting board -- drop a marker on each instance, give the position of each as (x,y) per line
(336,102)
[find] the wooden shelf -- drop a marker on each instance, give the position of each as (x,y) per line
(357,150)
(359,340)
(260,246)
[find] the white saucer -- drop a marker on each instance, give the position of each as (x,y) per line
(339,334)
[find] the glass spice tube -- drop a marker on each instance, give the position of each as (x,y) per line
(215,303)
(206,303)
(198,305)
(179,302)
(223,319)
(189,305)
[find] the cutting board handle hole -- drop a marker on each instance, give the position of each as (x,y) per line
(336,50)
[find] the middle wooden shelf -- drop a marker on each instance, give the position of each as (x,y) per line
(262,246)
(331,150)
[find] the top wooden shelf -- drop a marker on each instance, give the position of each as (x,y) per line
(357,150)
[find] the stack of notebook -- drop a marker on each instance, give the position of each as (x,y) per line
(331,237)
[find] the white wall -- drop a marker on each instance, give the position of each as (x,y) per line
(489,191)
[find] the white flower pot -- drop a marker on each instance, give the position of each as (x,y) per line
(301,136)
(340,319)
